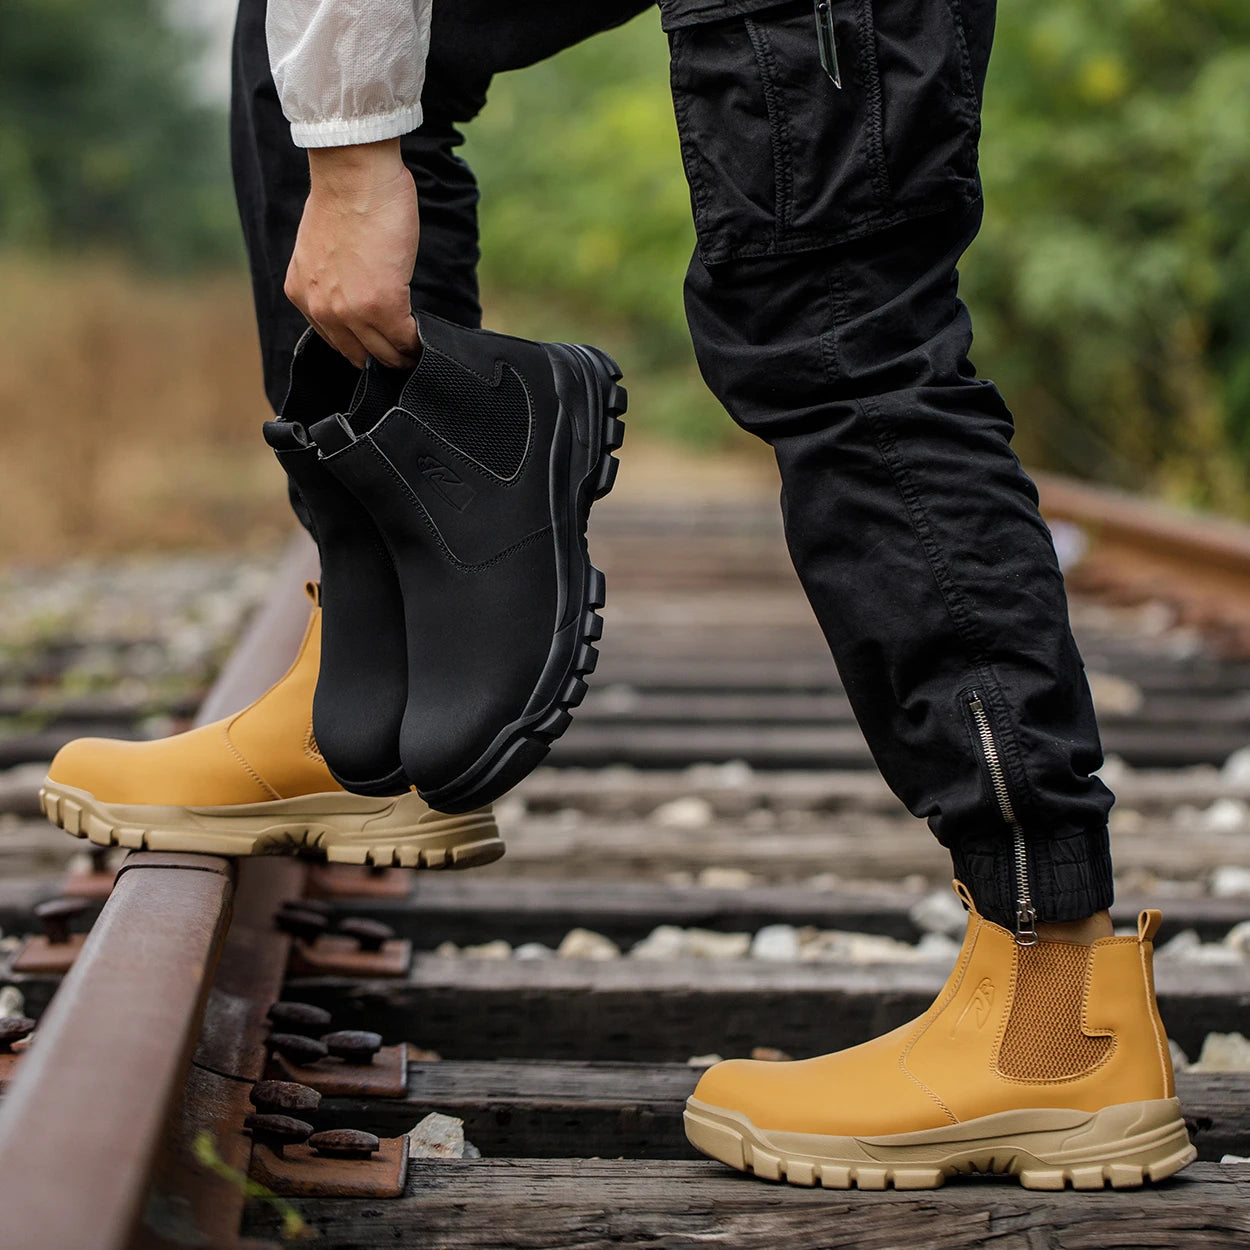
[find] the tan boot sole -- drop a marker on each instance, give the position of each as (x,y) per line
(348,828)
(1123,1146)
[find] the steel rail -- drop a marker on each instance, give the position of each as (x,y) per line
(1141,548)
(85,1116)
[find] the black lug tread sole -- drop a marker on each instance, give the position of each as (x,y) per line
(516,760)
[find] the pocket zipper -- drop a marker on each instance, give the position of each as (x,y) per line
(1026,914)
(826,42)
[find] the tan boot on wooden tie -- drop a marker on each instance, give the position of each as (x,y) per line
(1046,1062)
(250,784)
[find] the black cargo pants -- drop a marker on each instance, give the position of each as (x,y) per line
(823,307)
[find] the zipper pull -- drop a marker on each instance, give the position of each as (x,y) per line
(1026,923)
(826,42)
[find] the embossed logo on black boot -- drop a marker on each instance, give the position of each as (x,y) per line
(456,492)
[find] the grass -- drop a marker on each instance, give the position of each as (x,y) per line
(132,409)
(131,413)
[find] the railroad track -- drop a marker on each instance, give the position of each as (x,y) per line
(747,801)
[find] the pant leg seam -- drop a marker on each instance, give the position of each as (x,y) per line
(952,598)
(783,192)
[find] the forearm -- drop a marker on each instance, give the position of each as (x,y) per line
(360,175)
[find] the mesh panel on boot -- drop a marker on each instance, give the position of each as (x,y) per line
(488,424)
(1043,1040)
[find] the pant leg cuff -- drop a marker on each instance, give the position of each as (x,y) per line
(1070,875)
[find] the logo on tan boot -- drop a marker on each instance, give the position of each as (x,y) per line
(980,1004)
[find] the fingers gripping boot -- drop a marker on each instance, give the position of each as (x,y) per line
(249,784)
(1048,1063)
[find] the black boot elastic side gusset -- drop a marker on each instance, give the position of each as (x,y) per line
(361,688)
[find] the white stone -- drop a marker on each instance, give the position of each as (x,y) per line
(12,1002)
(1187,947)
(533,950)
(1238,939)
(835,946)
(448,950)
(618,698)
(779,942)
(1223,1052)
(440,1137)
(498,949)
(1217,953)
(709,944)
(734,774)
(1126,820)
(937,946)
(1182,946)
(824,881)
(1225,816)
(1070,543)
(703,1061)
(586,944)
(1235,1158)
(510,810)
(1180,1060)
(1114,694)
(1236,770)
(727,776)
(1113,770)
(1230,881)
(871,948)
(666,941)
(939,912)
(725,878)
(691,811)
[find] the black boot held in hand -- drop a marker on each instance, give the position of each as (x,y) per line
(363,680)
(480,481)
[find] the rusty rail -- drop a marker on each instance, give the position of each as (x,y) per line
(1142,549)
(85,1117)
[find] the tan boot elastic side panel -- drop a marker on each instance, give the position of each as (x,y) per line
(1043,1040)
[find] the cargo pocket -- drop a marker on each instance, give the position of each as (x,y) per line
(779,159)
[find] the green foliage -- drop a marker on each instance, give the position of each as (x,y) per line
(1110,287)
(1111,283)
(101,142)
(583,197)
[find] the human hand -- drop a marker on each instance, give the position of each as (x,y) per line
(355,252)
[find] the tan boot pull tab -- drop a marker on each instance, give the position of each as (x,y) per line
(313,591)
(964,896)
(1148,924)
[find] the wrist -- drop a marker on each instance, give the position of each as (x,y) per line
(356,170)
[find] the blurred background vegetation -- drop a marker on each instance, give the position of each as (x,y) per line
(1110,287)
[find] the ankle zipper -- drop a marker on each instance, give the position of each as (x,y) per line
(1026,914)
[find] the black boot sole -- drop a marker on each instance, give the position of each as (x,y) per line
(585,381)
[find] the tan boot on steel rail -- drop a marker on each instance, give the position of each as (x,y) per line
(251,784)
(1045,1062)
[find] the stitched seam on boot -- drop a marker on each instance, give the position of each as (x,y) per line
(311,749)
(247,768)
(1165,1058)
(451,558)
(930,1016)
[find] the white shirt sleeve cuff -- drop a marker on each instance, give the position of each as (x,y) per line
(340,132)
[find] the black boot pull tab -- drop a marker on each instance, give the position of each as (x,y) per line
(826,42)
